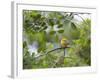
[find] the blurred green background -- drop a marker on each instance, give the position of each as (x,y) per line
(42,32)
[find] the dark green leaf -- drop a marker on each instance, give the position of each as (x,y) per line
(60,31)
(51,22)
(39,50)
(43,24)
(24,44)
(38,15)
(73,25)
(60,25)
(44,28)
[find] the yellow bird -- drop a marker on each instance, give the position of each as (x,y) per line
(64,42)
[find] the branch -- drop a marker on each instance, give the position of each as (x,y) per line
(57,49)
(50,51)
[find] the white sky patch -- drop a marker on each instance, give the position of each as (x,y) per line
(55,28)
(48,29)
(84,16)
(33,48)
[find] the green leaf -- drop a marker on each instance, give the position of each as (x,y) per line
(73,25)
(33,54)
(36,28)
(58,22)
(51,22)
(60,31)
(24,44)
(42,47)
(60,25)
(44,28)
(38,15)
(52,32)
(43,24)
(39,50)
(71,15)
(50,46)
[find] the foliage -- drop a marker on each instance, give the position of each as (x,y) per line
(44,30)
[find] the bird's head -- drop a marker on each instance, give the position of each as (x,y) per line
(64,39)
